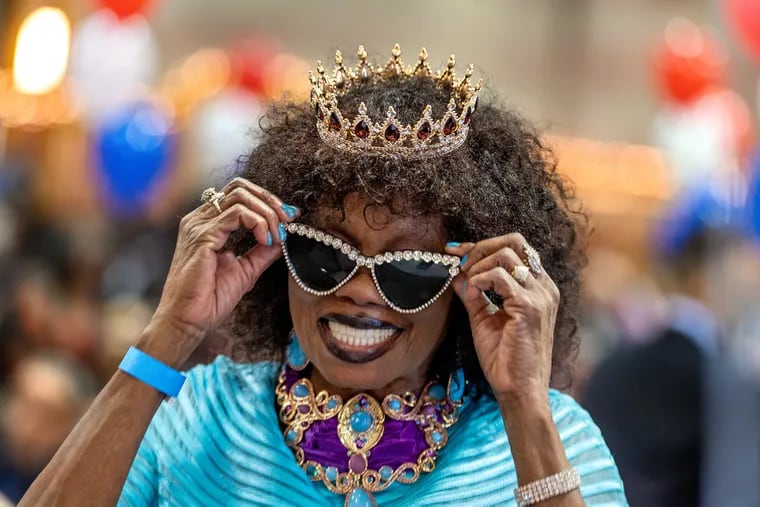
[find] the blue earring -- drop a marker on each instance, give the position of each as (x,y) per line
(295,355)
(456,385)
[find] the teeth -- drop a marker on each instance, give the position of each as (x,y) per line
(359,337)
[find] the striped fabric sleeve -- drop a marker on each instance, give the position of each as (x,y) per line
(141,486)
(601,484)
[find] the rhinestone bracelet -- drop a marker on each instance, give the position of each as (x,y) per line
(548,487)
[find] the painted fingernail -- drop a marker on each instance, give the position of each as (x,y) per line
(464,260)
(269,238)
(452,244)
(290,210)
(281,231)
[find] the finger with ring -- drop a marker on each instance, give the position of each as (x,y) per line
(520,273)
(533,259)
(213,197)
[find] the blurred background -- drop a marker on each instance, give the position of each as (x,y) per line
(115,114)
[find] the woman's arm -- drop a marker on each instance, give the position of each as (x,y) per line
(204,284)
(537,449)
(514,346)
(92,464)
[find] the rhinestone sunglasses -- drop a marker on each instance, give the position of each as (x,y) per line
(408,281)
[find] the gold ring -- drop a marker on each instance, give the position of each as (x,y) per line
(533,259)
(521,274)
(211,196)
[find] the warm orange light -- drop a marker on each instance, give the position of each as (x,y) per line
(42,51)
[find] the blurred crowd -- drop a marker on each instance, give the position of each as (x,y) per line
(73,297)
(669,367)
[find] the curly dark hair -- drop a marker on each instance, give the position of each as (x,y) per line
(503,179)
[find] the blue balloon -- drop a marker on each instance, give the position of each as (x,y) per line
(134,148)
(753,199)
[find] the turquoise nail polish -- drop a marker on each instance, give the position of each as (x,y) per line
(269,238)
(281,230)
(453,244)
(289,210)
(464,260)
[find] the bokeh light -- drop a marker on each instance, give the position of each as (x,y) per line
(42,51)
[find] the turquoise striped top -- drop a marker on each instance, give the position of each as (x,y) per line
(219,443)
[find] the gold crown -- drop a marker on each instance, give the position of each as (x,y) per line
(427,137)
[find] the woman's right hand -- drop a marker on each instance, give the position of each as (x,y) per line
(205,281)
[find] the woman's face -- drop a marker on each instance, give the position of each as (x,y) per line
(356,312)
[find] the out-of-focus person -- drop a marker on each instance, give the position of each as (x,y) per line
(672,406)
(45,396)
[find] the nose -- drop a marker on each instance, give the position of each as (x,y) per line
(361,290)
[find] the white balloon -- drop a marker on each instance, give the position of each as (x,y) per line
(698,142)
(112,62)
(225,127)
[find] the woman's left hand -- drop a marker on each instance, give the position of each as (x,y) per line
(514,343)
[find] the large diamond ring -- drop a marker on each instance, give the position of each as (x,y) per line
(521,274)
(533,259)
(211,196)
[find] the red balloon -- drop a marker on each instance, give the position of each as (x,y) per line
(688,63)
(744,17)
(126,8)
(249,60)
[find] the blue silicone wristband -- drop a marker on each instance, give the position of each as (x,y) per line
(152,372)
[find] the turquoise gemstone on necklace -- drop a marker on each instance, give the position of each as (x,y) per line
(361,421)
(360,498)
(331,473)
(437,392)
(332,403)
(301,390)
(385,472)
(437,437)
(291,436)
(394,404)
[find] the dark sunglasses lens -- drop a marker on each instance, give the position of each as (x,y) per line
(317,265)
(411,284)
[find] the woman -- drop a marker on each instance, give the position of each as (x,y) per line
(391,262)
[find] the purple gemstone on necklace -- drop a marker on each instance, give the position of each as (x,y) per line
(357,463)
(304,409)
(428,410)
(359,443)
(430,453)
(363,401)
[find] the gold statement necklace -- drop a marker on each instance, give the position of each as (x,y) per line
(347,434)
